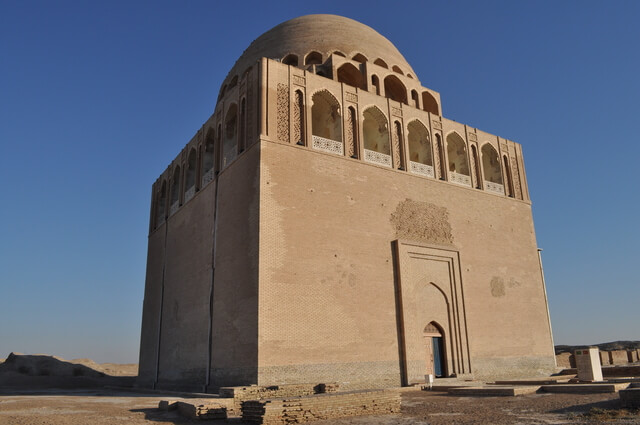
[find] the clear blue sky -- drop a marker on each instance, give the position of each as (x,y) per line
(96,98)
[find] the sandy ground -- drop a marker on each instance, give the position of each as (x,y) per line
(110,407)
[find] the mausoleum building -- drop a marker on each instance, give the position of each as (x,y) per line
(328,224)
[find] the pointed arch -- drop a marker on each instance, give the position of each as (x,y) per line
(375,136)
(381,63)
(394,89)
(161,204)
(352,76)
(175,189)
(339,53)
(190,176)
(420,159)
(429,103)
(326,122)
(233,82)
(359,57)
(208,157)
(218,150)
(491,163)
(290,59)
(230,137)
(458,159)
(242,142)
(415,99)
(396,68)
(313,58)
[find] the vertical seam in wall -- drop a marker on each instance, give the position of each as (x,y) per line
(164,266)
(257,277)
(213,273)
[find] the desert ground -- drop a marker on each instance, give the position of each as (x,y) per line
(53,391)
(111,407)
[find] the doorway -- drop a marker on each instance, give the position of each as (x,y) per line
(435,353)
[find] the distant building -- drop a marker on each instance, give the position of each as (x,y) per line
(328,224)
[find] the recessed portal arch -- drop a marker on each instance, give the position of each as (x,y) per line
(458,159)
(394,89)
(375,135)
(230,144)
(326,123)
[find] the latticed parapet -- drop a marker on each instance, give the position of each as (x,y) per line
(346,107)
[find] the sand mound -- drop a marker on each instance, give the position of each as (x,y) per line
(40,370)
(42,365)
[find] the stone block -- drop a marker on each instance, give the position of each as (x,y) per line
(495,390)
(584,388)
(618,357)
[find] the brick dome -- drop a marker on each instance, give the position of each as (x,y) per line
(326,35)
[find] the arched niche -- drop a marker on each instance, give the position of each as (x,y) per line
(419,149)
(491,165)
(326,122)
(290,59)
(359,57)
(381,63)
(208,157)
(190,176)
(352,76)
(415,99)
(429,103)
(396,68)
(458,159)
(339,53)
(242,139)
(394,89)
(375,136)
(161,204)
(313,58)
(233,82)
(175,188)
(230,143)
(375,82)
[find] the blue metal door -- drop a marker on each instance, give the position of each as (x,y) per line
(438,356)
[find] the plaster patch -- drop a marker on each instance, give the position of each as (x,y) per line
(422,221)
(497,287)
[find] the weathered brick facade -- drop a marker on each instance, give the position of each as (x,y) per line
(327,224)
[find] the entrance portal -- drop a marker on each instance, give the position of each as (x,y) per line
(434,344)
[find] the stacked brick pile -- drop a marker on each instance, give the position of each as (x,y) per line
(321,406)
(254,392)
(257,392)
(202,411)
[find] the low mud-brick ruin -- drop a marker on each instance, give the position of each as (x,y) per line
(328,224)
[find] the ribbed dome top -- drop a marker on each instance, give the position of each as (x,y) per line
(324,34)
